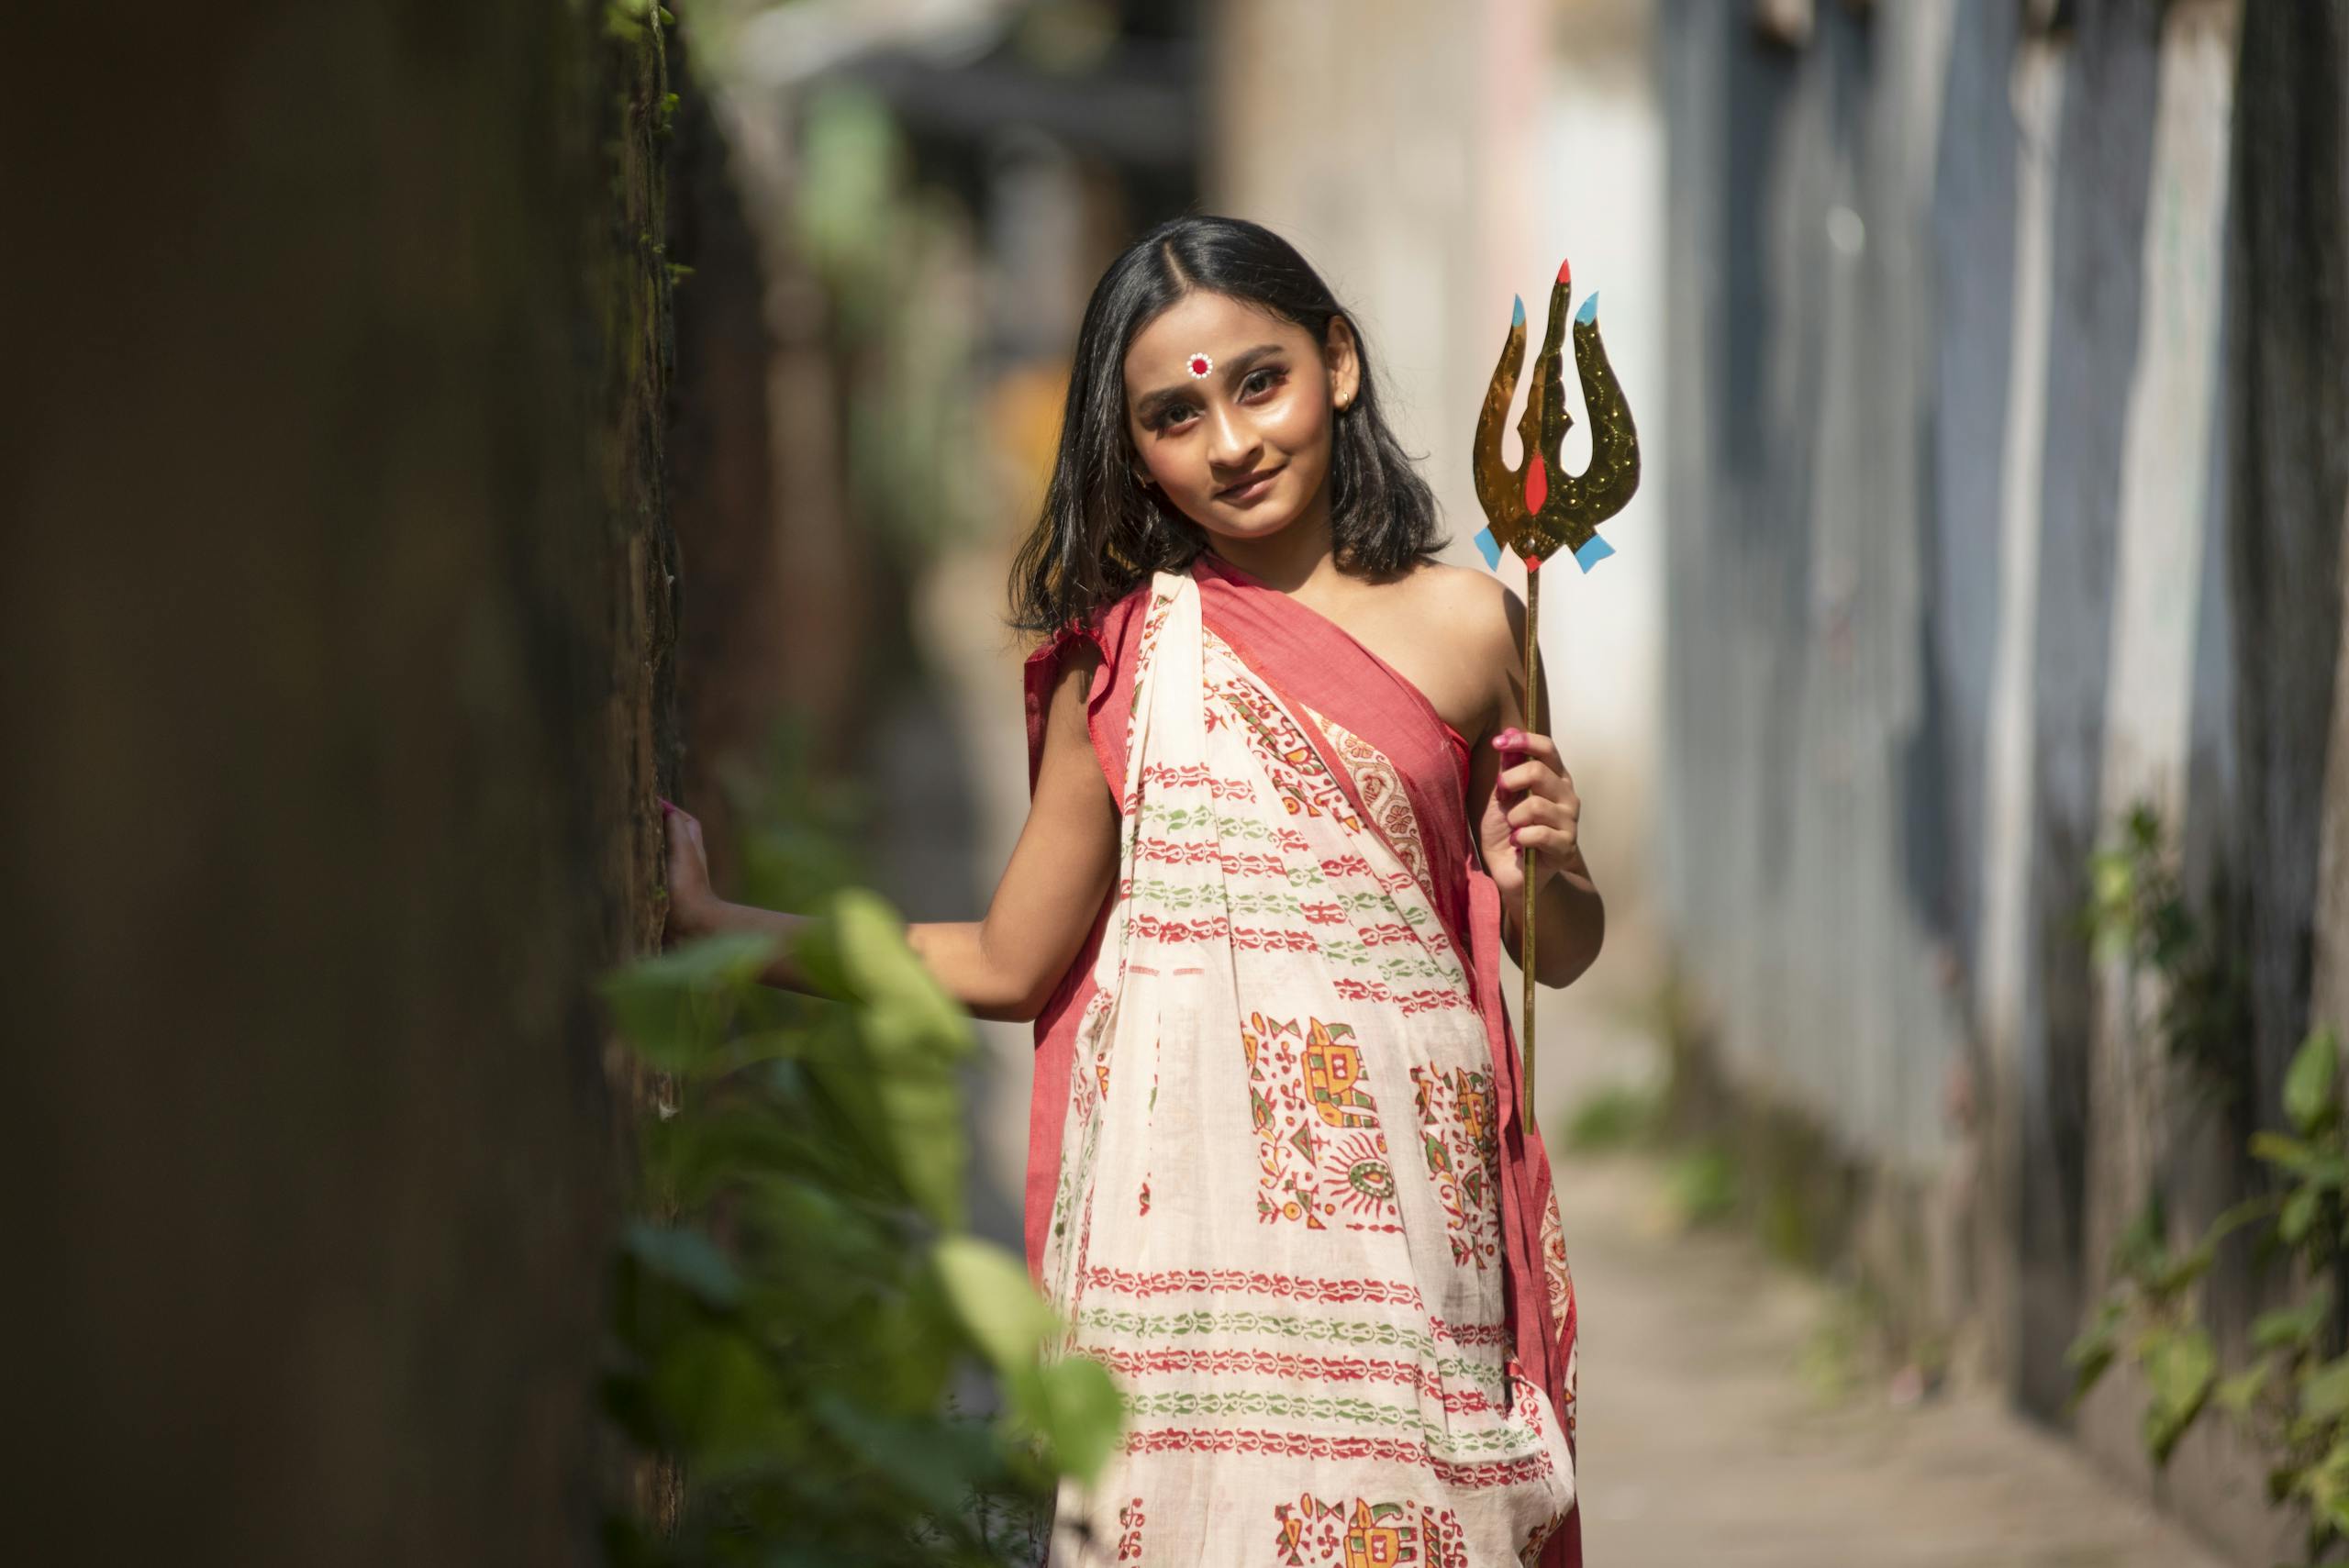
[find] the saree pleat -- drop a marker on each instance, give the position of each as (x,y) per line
(1277,1183)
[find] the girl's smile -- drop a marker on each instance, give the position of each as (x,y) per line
(1253,489)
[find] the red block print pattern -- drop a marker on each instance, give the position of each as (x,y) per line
(1561,1282)
(1322,1159)
(1357,1533)
(1129,1522)
(1302,782)
(1380,788)
(1462,1144)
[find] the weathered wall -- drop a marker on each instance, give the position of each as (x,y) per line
(339,621)
(2010,453)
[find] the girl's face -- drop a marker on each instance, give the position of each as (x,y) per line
(1243,450)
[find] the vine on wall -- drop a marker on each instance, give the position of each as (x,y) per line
(2291,1397)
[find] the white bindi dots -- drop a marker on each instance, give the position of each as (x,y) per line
(1200,365)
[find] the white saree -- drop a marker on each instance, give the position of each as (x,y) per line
(1277,1214)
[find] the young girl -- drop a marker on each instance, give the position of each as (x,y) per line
(1277,1179)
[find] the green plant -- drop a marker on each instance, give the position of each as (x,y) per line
(2139,910)
(797,1302)
(2292,1398)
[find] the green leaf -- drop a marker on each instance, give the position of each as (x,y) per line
(686,1258)
(1075,1404)
(715,1392)
(2299,1215)
(990,1292)
(2324,1393)
(2308,1082)
(2180,1273)
(2250,1211)
(2181,1368)
(673,1009)
(2295,1326)
(2237,1395)
(2091,1355)
(2288,1153)
(919,1017)
(911,1036)
(2325,1485)
(936,1461)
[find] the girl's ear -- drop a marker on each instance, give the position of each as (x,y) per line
(1337,357)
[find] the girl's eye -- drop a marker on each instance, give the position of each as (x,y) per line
(1260,381)
(1167,420)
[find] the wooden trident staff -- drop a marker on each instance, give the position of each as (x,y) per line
(1538,508)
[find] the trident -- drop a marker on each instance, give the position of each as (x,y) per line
(1538,508)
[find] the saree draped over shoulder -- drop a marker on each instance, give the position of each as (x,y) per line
(1277,1182)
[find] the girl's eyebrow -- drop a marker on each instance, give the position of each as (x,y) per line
(1151,404)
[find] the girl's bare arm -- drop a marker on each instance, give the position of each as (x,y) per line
(1005,966)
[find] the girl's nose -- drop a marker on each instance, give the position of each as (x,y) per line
(1232,443)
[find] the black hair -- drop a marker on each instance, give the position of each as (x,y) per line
(1100,533)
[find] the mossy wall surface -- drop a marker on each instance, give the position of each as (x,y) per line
(340,614)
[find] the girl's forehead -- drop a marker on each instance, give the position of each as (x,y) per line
(1202,323)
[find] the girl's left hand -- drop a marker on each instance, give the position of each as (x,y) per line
(1534,808)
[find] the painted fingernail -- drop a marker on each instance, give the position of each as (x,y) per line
(665,805)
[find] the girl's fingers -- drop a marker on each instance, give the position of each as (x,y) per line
(1528,776)
(1539,776)
(1538,747)
(1538,811)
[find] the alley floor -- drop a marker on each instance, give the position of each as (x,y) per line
(1705,1443)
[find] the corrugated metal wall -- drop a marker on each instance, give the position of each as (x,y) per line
(2010,395)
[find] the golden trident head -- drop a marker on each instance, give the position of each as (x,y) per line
(1538,508)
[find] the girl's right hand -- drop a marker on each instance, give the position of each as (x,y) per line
(692,904)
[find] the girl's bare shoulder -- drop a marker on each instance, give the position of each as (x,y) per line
(1473,612)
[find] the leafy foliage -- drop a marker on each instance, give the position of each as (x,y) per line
(2292,1397)
(798,1307)
(2139,909)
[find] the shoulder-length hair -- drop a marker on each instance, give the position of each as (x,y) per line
(1100,533)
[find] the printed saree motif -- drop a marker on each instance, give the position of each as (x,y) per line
(1288,1205)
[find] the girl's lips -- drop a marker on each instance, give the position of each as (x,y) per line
(1250,489)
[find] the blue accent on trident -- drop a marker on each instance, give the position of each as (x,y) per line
(1593,551)
(1590,311)
(1489,547)
(1517,315)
